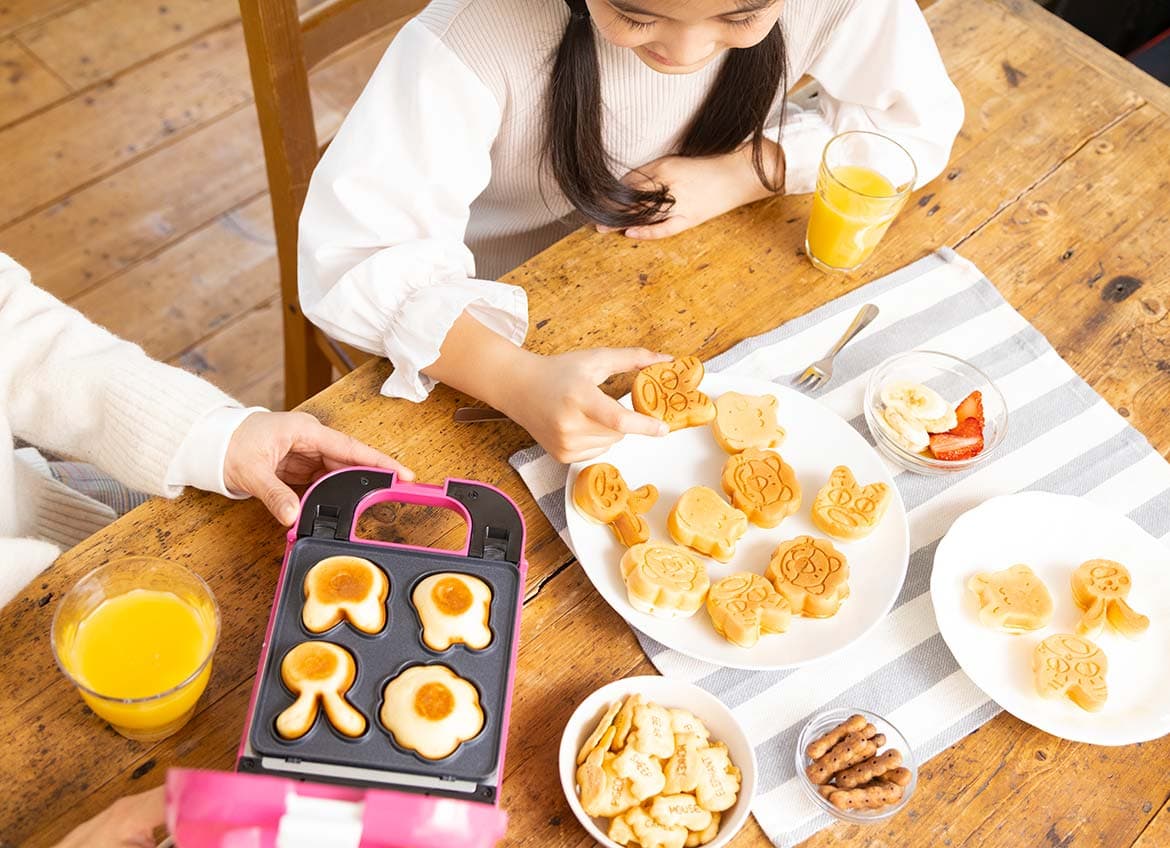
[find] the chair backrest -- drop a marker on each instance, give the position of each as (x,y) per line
(283,46)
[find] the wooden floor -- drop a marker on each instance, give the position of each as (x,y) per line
(132,179)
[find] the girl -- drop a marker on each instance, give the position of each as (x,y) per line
(493,127)
(68,386)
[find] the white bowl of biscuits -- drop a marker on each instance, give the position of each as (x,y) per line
(650,760)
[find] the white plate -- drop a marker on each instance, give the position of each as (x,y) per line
(666,692)
(817,441)
(1053,534)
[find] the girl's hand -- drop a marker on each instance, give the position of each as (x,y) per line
(557,400)
(129,822)
(703,188)
(272,450)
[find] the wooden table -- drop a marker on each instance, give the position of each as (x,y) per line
(1057,189)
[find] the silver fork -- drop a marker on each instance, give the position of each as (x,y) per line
(821,371)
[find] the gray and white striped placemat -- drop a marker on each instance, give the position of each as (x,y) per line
(1063,437)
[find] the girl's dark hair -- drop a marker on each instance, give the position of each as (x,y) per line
(735,111)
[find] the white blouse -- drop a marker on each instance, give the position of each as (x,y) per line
(435,184)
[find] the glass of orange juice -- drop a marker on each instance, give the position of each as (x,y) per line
(136,637)
(864,180)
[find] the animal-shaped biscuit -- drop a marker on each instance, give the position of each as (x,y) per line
(845,510)
(319,674)
(602,792)
(662,580)
(453,608)
(1100,587)
(705,522)
(637,825)
(746,421)
(745,605)
(1013,600)
(1073,667)
(599,732)
(431,710)
(345,587)
(601,495)
(701,837)
(670,392)
(761,485)
(811,574)
(718,783)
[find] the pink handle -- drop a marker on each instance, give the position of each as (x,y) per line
(421,494)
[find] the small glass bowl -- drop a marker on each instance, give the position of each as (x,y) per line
(952,378)
(821,724)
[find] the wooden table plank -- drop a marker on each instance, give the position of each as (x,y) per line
(1023,143)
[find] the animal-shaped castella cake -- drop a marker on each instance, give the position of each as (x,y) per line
(602,495)
(345,588)
(811,574)
(1013,600)
(846,510)
(1100,587)
(1072,667)
(670,392)
(746,421)
(453,608)
(762,486)
(319,674)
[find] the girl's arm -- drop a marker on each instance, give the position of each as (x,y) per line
(383,266)
(880,71)
(382,262)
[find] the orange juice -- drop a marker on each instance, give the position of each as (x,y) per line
(852,208)
(136,650)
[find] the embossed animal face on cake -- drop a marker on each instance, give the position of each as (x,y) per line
(1100,587)
(601,494)
(846,510)
(703,521)
(811,574)
(762,485)
(1071,666)
(746,421)
(1013,600)
(670,393)
(667,581)
(744,606)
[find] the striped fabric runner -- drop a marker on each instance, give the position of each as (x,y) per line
(1062,437)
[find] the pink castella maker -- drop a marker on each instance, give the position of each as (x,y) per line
(327,789)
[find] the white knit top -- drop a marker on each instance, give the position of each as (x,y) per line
(72,388)
(434,185)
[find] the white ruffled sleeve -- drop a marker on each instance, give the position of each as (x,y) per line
(879,71)
(382,264)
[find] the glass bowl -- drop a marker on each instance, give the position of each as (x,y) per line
(952,378)
(821,724)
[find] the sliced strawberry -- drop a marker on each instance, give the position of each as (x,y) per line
(971,407)
(963,442)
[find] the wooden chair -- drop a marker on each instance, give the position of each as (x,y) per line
(283,46)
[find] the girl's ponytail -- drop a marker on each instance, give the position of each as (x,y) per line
(735,111)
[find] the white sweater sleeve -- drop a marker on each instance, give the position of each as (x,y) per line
(880,70)
(382,264)
(70,387)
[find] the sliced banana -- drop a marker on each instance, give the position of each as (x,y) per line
(907,432)
(915,401)
(941,425)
